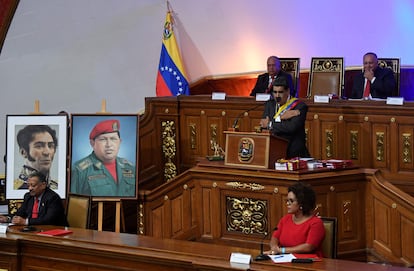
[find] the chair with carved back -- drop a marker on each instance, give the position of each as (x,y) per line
(78,210)
(291,66)
(329,244)
(394,65)
(326,76)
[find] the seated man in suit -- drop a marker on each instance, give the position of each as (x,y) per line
(285,116)
(374,81)
(41,205)
(264,81)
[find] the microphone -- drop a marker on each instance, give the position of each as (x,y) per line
(262,256)
(236,121)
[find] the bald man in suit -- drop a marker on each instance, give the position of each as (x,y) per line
(381,80)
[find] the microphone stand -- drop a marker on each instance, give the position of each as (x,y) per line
(236,121)
(262,256)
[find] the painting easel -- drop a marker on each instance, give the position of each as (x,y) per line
(102,200)
(101,213)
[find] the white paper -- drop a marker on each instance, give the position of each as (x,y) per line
(395,100)
(321,99)
(3,228)
(240,258)
(282,258)
(218,96)
(262,97)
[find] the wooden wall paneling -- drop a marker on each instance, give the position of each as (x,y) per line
(405,148)
(349,200)
(191,137)
(150,155)
(344,200)
(245,216)
(354,149)
(207,216)
(9,254)
(329,137)
(394,213)
(407,227)
(156,222)
(313,134)
(216,125)
(382,216)
(381,146)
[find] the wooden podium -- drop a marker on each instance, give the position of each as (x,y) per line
(254,150)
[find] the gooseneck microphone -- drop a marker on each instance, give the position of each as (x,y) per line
(236,121)
(262,256)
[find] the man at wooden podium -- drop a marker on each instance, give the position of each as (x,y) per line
(285,116)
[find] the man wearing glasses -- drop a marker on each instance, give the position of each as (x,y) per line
(285,116)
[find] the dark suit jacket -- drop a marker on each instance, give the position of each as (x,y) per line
(262,83)
(382,87)
(292,129)
(51,210)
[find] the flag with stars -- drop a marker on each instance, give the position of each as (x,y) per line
(171,77)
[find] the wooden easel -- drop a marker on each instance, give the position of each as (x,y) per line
(101,214)
(118,210)
(101,201)
(36,110)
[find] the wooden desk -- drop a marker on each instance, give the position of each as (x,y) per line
(93,250)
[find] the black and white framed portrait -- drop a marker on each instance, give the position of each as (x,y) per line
(35,143)
(104,155)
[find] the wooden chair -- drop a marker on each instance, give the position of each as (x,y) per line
(394,65)
(292,66)
(326,76)
(329,244)
(78,210)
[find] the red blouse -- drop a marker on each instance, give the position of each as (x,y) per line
(291,234)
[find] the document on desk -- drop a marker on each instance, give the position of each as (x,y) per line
(282,258)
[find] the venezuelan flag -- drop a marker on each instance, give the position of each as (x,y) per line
(171,77)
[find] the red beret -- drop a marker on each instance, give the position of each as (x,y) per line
(104,127)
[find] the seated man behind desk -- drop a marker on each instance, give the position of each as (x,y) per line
(285,117)
(265,80)
(374,81)
(41,205)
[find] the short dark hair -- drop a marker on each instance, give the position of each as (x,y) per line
(39,175)
(305,196)
(371,53)
(26,135)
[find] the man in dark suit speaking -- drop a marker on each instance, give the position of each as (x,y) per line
(265,80)
(374,81)
(41,205)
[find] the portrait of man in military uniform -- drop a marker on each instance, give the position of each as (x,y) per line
(108,168)
(36,145)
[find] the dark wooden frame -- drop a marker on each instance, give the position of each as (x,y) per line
(7,10)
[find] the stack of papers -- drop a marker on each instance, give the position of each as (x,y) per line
(287,258)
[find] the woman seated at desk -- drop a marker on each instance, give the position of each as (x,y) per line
(300,231)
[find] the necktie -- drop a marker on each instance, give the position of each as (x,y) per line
(35,208)
(269,87)
(367,89)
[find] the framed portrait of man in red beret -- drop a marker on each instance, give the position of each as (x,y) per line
(104,155)
(36,143)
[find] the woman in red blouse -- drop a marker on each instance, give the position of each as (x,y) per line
(300,231)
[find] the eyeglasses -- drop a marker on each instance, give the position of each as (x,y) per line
(290,201)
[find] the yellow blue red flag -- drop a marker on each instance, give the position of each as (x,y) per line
(171,77)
